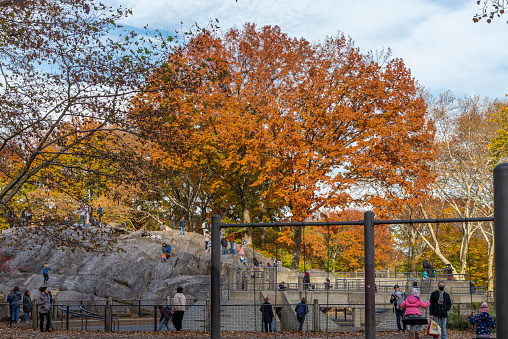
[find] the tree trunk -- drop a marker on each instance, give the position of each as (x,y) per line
(297,248)
(490,268)
(262,236)
(246,220)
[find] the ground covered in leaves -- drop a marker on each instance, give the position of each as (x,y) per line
(8,332)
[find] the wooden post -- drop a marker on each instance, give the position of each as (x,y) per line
(208,316)
(315,318)
(107,315)
(34,315)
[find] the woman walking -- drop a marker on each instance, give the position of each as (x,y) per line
(27,306)
(44,306)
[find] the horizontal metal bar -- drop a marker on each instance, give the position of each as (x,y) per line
(431,221)
(306,223)
(357,223)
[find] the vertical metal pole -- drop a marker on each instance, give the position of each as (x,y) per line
(500,248)
(155,318)
(370,293)
(215,288)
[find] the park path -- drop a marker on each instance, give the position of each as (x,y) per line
(7,332)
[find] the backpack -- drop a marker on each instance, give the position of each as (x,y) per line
(167,312)
(399,299)
(300,310)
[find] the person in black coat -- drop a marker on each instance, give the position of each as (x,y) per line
(440,304)
(267,314)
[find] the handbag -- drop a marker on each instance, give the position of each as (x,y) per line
(434,329)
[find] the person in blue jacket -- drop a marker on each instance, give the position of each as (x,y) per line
(45,272)
(483,321)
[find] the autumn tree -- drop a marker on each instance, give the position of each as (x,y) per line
(293,125)
(463,169)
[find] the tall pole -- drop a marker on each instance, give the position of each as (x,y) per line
(215,288)
(500,248)
(370,292)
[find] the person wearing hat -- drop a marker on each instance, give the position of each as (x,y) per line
(483,321)
(397,299)
(412,305)
(267,315)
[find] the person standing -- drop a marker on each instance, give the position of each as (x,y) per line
(11,216)
(396,299)
(16,304)
(44,306)
(231,239)
(99,214)
(23,217)
(428,267)
(449,271)
(440,304)
(301,310)
(267,315)
(27,306)
(45,273)
(9,300)
(207,238)
(182,224)
(82,215)
(179,302)
(306,281)
(483,321)
(224,244)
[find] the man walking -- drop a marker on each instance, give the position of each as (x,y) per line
(301,310)
(440,304)
(182,226)
(396,299)
(179,303)
(267,315)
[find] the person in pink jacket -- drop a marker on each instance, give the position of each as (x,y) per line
(412,306)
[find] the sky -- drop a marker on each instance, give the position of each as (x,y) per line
(437,39)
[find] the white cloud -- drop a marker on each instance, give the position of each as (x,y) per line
(436,39)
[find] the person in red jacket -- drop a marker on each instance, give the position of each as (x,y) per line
(412,305)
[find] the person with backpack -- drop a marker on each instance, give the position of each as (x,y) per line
(27,306)
(45,273)
(267,315)
(301,311)
(166,314)
(397,299)
(483,321)
(412,306)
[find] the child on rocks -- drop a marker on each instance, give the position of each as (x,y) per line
(412,306)
(45,273)
(483,321)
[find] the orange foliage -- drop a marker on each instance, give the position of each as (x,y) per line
(293,125)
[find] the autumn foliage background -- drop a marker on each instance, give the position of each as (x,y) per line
(257,126)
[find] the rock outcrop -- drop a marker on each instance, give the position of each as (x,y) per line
(134,272)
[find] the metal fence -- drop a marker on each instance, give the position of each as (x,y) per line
(236,316)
